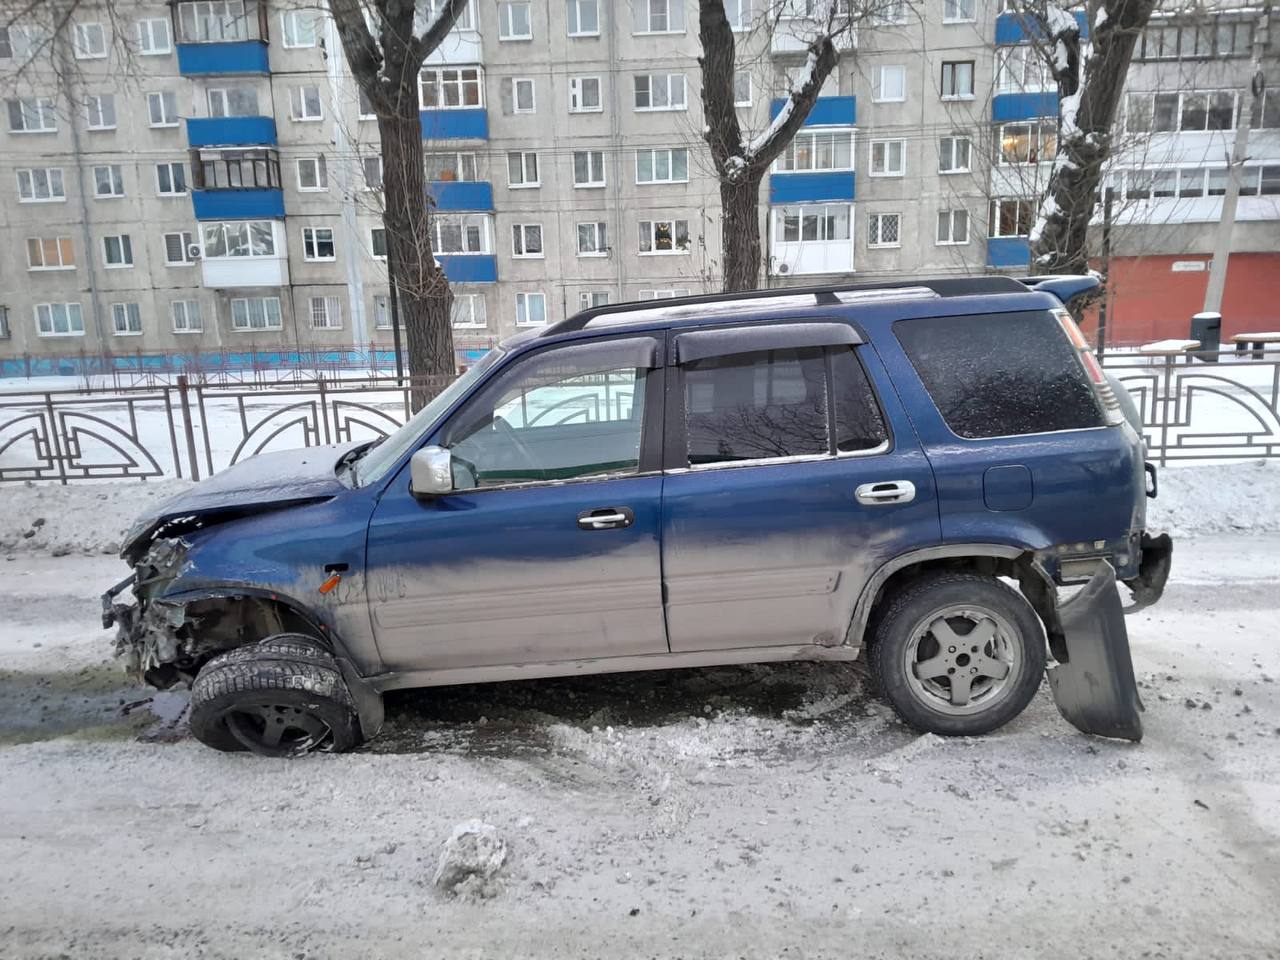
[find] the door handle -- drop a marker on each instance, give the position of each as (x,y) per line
(606,518)
(886,492)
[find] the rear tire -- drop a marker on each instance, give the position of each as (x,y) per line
(958,654)
(283,697)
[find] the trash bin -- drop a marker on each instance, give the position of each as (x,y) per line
(1207,328)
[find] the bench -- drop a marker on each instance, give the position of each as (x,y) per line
(1169,349)
(1258,341)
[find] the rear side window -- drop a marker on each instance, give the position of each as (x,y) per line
(1001,375)
(779,403)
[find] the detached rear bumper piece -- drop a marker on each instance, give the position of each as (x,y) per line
(1153,571)
(1094,688)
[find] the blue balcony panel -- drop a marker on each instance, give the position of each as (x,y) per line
(469,267)
(1008,253)
(238,204)
(461,195)
(231,131)
(1024,106)
(222,59)
(826,112)
(811,187)
(455,124)
(1013,28)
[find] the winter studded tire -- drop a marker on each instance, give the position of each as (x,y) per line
(958,654)
(283,697)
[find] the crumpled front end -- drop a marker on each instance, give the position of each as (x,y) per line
(152,635)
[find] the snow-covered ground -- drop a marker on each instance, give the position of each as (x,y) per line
(765,811)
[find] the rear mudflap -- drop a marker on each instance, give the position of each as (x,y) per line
(1153,571)
(1094,687)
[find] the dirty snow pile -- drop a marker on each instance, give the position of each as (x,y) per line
(1221,498)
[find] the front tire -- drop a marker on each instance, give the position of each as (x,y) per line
(958,654)
(283,697)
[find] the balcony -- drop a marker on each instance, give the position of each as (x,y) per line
(826,112)
(231,131)
(469,267)
(471,123)
(794,34)
(222,38)
(1014,28)
(812,187)
(1008,253)
(238,204)
(226,273)
(222,59)
(461,194)
(1024,106)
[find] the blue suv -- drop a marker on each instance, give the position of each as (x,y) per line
(906,473)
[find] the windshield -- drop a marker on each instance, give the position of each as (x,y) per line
(386,453)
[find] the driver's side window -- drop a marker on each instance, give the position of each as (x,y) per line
(564,414)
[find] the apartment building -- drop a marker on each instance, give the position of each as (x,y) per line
(203,177)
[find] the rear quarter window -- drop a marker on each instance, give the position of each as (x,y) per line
(998,375)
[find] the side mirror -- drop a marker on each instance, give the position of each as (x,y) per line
(431,472)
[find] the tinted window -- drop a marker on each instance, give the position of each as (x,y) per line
(750,406)
(1000,375)
(859,423)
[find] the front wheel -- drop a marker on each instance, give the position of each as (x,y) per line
(958,654)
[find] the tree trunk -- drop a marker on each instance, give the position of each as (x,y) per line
(425,299)
(740,232)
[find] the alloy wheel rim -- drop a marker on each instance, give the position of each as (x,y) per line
(962,659)
(278,729)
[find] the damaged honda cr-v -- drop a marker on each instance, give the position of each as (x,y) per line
(907,473)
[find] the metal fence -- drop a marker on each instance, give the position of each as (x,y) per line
(1198,407)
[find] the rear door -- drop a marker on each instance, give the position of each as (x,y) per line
(792,474)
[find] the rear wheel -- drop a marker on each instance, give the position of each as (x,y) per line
(958,654)
(283,697)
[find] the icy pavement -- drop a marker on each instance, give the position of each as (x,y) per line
(769,811)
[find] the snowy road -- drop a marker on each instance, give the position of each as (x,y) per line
(755,812)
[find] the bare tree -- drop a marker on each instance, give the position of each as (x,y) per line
(386,43)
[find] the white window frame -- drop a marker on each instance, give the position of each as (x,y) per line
(948,150)
(514,84)
(124,242)
(1037,130)
(190,310)
(369,165)
(115,177)
(591,156)
(952,67)
(465,223)
(170,166)
(466,165)
(523,300)
(61,243)
(247,326)
(892,13)
(329,314)
(670,294)
(649,78)
(649,5)
(213,21)
(50,175)
(460,78)
(154,37)
(886,170)
(293,28)
(507,26)
(577,90)
(739,14)
(382,310)
(81,43)
(789,160)
(590,299)
(877,83)
(164,98)
(654,153)
(820,213)
(876,230)
(40,109)
(750,88)
(321,171)
(96,103)
(951,220)
(311,241)
(373,242)
(299,104)
(953,11)
(598,231)
(475,312)
(67,312)
(131,317)
(525,183)
(520,235)
(1022,68)
(1021,229)
(651,234)
(223,225)
(573,15)
(187,239)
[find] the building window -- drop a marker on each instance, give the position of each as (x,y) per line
(661,294)
(520,91)
(588,168)
(89,41)
(1022,69)
(1026,143)
(584,95)
(1172,112)
(657,16)
(522,169)
(1010,218)
(668,165)
(153,37)
(364,106)
(451,166)
(460,233)
(664,236)
(186,316)
(469,311)
(889,84)
(954,154)
(32,115)
(818,150)
(372,167)
(1221,37)
(59,320)
(583,17)
(50,253)
(953,227)
(958,11)
(213,21)
(40,185)
(300,28)
(178,249)
(126,319)
(515,22)
(378,243)
(526,241)
(238,238)
(660,91)
(888,158)
(742,88)
(883,230)
(450,88)
(531,309)
(304,103)
(1271,110)
(317,244)
(326,313)
(313,173)
(428,10)
(240,101)
(171,179)
(812,223)
(957,80)
(5,332)
(21,42)
(108,181)
(117,251)
(738,13)
(162,108)
(382,311)
(890,13)
(592,240)
(589,299)
(255,313)
(100,111)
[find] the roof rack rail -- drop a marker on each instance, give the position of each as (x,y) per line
(942,286)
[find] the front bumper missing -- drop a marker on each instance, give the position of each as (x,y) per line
(1094,687)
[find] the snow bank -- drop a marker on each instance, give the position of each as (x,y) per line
(86,518)
(1240,497)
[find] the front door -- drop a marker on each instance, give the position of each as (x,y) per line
(547,549)
(790,483)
